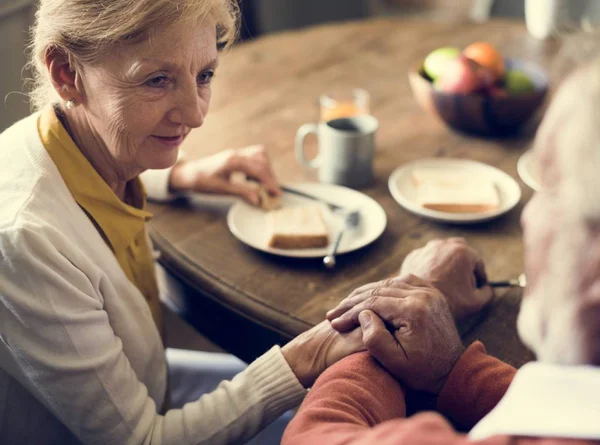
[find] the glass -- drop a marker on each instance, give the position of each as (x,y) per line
(348,103)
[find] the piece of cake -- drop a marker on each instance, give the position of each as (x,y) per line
(455,192)
(300,227)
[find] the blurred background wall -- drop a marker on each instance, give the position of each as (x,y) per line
(16,16)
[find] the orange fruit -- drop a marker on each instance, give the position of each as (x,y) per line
(487,56)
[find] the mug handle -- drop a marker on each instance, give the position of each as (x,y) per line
(301,134)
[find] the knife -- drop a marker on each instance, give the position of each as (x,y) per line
(293,191)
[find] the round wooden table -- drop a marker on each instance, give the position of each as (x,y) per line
(246,300)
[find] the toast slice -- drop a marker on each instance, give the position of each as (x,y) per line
(267,201)
(454,192)
(299,227)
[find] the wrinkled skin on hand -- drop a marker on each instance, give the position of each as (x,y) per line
(213,174)
(449,265)
(315,350)
(456,269)
(409,329)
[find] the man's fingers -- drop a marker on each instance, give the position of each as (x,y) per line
(480,273)
(484,295)
(380,343)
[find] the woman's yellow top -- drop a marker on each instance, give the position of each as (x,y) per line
(121,225)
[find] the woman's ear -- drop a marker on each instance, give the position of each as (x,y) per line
(63,75)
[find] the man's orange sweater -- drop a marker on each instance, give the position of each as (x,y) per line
(356,402)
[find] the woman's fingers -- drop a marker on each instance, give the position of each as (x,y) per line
(391,288)
(407,282)
(254,162)
(390,309)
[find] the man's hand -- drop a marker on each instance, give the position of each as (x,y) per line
(450,265)
(456,270)
(315,350)
(410,331)
(213,174)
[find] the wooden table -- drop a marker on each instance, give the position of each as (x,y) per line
(246,300)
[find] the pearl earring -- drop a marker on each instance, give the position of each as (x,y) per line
(70,103)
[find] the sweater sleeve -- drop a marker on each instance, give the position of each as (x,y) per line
(156,183)
(56,339)
(356,402)
(475,386)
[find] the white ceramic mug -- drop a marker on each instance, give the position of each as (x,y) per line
(346,147)
(543,16)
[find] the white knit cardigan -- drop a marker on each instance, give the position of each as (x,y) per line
(80,358)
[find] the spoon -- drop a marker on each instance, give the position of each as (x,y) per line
(351,221)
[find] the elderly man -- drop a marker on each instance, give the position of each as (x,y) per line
(409,330)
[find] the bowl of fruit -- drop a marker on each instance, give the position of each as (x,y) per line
(477,90)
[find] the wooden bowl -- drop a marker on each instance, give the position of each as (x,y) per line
(480,113)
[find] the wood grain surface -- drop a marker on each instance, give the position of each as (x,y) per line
(264,90)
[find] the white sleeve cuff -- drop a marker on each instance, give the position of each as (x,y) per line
(156,182)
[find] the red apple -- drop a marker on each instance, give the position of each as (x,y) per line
(487,77)
(497,91)
(461,76)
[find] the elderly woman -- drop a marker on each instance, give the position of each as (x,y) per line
(120,85)
(551,401)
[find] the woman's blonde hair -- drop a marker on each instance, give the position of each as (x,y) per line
(85,30)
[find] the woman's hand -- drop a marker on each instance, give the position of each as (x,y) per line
(313,351)
(213,174)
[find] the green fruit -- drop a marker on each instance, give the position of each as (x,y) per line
(517,82)
(436,60)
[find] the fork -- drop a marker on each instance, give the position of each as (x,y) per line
(351,220)
(520,281)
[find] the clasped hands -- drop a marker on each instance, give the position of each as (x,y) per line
(407,323)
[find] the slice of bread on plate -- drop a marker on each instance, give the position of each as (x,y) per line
(300,227)
(454,192)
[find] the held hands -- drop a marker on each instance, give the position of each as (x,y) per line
(408,322)
(315,350)
(213,174)
(456,270)
(449,265)
(408,327)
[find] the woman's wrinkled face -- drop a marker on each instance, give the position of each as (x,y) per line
(143,98)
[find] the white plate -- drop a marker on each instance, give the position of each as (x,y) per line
(248,224)
(528,170)
(404,190)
